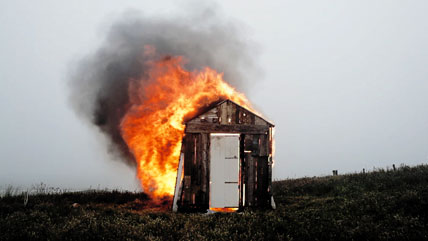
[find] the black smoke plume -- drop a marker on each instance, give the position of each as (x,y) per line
(99,82)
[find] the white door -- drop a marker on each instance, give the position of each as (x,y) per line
(224,171)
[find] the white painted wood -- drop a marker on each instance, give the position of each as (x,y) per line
(224,170)
(178,183)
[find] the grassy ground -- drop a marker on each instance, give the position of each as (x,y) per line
(381,205)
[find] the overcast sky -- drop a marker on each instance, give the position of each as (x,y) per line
(346,83)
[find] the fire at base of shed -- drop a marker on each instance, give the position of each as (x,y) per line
(225,162)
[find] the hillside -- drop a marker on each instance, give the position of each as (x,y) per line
(380,205)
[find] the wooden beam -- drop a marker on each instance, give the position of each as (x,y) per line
(213,128)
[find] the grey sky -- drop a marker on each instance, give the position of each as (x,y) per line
(345,82)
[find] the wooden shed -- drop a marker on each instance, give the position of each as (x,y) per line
(225,162)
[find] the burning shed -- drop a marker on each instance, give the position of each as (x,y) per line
(225,161)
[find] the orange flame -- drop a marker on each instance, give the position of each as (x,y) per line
(224,210)
(159,103)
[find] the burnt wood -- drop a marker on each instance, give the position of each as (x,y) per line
(234,128)
(255,156)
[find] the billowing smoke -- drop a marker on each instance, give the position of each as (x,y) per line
(99,84)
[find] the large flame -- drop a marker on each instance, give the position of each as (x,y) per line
(160,102)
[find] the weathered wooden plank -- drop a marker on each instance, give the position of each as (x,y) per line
(204,197)
(249,192)
(203,169)
(188,154)
(270,191)
(255,173)
(242,170)
(196,170)
(231,112)
(237,118)
(249,167)
(208,117)
(252,118)
(188,164)
(264,145)
(270,140)
(244,116)
(222,110)
(198,166)
(256,145)
(233,128)
(262,181)
(260,121)
(207,175)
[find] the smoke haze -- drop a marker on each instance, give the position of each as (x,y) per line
(99,83)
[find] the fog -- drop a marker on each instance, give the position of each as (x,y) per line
(345,84)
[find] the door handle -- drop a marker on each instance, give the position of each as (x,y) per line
(231,157)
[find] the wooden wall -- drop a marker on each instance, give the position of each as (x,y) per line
(257,174)
(255,156)
(195,191)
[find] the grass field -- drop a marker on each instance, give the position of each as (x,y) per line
(380,205)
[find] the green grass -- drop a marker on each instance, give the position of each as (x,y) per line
(381,205)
